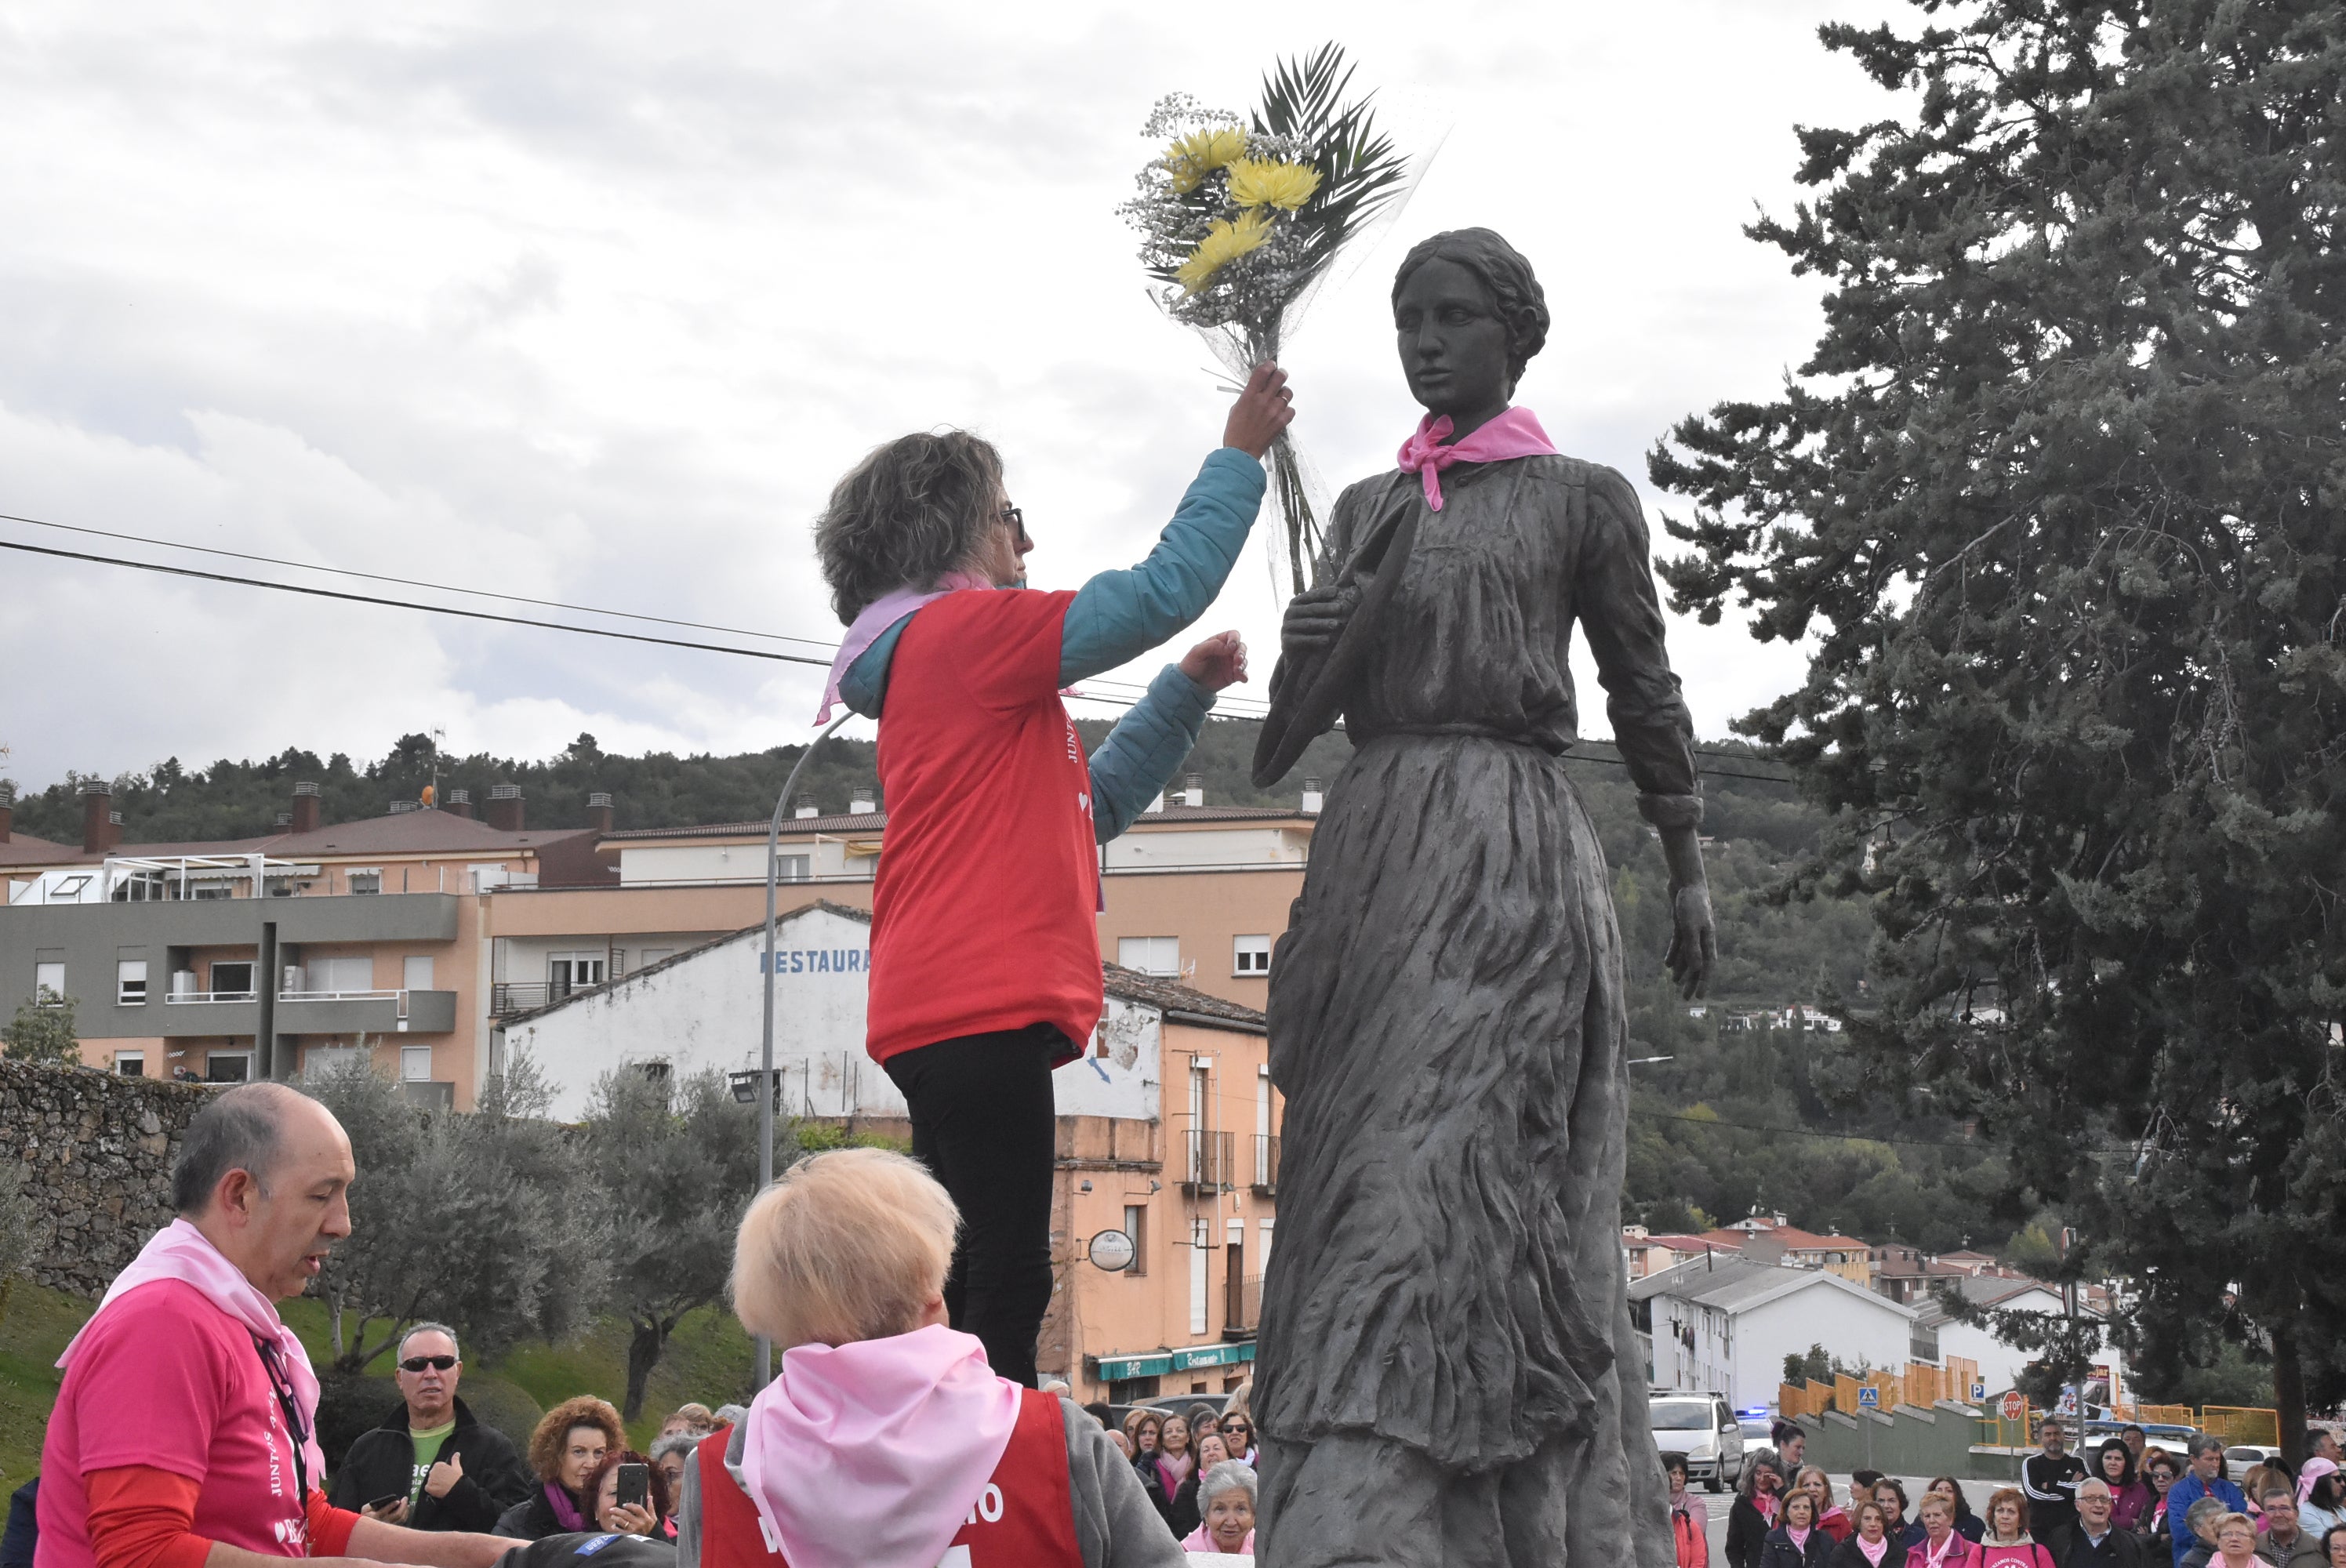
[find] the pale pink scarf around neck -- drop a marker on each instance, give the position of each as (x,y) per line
(1875,1551)
(1515,433)
(181,1252)
(871,1454)
(878,616)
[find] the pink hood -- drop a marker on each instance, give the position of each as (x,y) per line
(871,1454)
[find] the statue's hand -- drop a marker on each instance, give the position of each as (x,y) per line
(1314,617)
(1694,941)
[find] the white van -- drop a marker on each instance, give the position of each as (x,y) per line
(1700,1429)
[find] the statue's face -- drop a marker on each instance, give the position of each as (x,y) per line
(1453,347)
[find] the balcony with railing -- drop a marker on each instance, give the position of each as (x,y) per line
(1242,1305)
(1266,1163)
(1207,1165)
(507,998)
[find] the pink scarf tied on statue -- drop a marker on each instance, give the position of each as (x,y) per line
(1515,433)
(181,1252)
(878,616)
(870,1454)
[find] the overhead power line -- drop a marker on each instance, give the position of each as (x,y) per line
(405,603)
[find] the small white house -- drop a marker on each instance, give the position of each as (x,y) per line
(704,1008)
(1723,1324)
(2000,1364)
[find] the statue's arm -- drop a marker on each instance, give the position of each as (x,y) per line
(1314,617)
(1622,616)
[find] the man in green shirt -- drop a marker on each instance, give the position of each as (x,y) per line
(430,1465)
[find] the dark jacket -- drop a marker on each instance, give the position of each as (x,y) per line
(1777,1551)
(1850,1554)
(1747,1533)
(2119,1549)
(1183,1512)
(23,1530)
(383,1462)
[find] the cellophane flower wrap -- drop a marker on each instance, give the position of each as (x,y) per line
(1240,220)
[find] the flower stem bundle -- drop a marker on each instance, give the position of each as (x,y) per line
(1240,220)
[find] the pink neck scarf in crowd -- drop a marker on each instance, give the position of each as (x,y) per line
(181,1252)
(1875,1551)
(871,1454)
(878,616)
(1515,433)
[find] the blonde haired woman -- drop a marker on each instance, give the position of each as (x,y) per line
(920,1446)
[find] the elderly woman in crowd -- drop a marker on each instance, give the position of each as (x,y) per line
(571,1439)
(1187,1508)
(1228,1494)
(2236,1540)
(2199,1521)
(672,1453)
(1797,1540)
(655,1516)
(1758,1499)
(1868,1545)
(1941,1546)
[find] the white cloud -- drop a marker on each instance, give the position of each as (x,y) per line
(592,302)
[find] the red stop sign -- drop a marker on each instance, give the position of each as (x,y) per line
(2015,1406)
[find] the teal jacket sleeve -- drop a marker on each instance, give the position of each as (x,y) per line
(1140,754)
(1119,615)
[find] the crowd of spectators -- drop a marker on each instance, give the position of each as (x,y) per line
(2130,1504)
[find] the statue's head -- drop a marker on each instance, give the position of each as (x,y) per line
(1469,315)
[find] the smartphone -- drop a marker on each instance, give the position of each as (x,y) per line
(387,1498)
(635,1486)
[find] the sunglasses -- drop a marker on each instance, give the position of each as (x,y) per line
(1016,518)
(437,1363)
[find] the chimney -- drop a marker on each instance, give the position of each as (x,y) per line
(7,811)
(458,803)
(1312,797)
(599,814)
(504,808)
(1193,789)
(284,822)
(805,811)
(306,806)
(99,831)
(863,806)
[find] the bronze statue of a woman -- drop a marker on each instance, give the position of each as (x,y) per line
(1447,1373)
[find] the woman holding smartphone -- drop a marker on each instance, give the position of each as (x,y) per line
(986,967)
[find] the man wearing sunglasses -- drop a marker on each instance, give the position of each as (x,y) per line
(432,1465)
(185,1432)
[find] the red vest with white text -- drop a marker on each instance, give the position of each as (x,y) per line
(1025,1517)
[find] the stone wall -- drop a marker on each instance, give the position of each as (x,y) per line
(98,1149)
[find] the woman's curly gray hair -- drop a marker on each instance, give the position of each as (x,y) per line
(1514,289)
(913,510)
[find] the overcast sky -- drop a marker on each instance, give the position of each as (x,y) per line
(593,302)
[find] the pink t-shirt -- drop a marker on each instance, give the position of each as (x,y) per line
(163,1377)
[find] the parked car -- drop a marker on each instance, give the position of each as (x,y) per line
(1700,1429)
(2241,1458)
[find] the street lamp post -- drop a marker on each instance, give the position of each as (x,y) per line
(766,1047)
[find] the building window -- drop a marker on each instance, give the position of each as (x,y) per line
(130,1064)
(233,982)
(416,1063)
(228,1066)
(1136,1226)
(652,955)
(130,983)
(1158,955)
(1200,1243)
(569,972)
(1132,1391)
(795,868)
(370,882)
(415,972)
(50,982)
(345,976)
(1251,955)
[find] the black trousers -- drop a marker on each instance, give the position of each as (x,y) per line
(984,1123)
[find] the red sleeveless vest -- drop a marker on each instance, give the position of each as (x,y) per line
(1026,1518)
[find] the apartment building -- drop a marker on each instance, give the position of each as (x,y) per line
(276,956)
(1164,1199)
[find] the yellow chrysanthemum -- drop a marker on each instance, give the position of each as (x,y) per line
(1267,182)
(1200,153)
(1224,243)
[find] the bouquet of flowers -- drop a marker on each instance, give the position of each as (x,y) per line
(1240,220)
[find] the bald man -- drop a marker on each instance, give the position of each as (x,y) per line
(183,1433)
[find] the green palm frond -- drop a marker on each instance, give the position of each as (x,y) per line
(1360,172)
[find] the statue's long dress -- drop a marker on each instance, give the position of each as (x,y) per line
(1446,1368)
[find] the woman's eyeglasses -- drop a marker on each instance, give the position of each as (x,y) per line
(1016,518)
(437,1363)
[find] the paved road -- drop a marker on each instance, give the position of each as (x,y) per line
(1976,1493)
